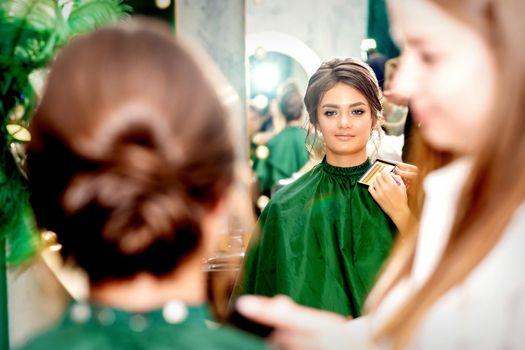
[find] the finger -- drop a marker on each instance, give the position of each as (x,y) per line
(282,312)
(407,175)
(379,184)
(384,181)
(406,166)
(398,170)
(288,340)
(399,180)
(270,311)
(389,179)
(372,191)
(379,190)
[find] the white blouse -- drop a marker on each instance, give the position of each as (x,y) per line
(487,310)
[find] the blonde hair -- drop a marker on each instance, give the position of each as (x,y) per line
(496,185)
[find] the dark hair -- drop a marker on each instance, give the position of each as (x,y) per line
(348,71)
(130,147)
(290,101)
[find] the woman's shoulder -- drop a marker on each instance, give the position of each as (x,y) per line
(499,274)
(81,337)
(507,255)
(289,135)
(515,228)
(63,337)
(491,299)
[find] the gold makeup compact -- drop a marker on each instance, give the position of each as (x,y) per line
(377,168)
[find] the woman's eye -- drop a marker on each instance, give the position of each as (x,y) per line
(330,113)
(358,112)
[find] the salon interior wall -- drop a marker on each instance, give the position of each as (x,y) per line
(219,27)
(332,28)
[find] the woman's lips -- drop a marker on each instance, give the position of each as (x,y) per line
(344,137)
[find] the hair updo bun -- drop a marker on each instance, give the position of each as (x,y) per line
(124,170)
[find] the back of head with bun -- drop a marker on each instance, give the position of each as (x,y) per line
(130,147)
(290,101)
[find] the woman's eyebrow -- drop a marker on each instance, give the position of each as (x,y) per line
(333,105)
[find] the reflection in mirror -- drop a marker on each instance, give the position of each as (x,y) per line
(279,69)
(268,71)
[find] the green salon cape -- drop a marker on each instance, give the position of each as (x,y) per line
(92,327)
(322,241)
(287,154)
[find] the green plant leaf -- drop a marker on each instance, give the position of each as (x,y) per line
(88,15)
(27,29)
(31,33)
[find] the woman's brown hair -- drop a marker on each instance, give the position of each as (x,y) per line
(496,184)
(348,71)
(131,146)
(290,101)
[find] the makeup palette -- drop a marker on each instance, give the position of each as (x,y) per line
(377,168)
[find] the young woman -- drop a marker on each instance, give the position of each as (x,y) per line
(323,238)
(460,284)
(118,170)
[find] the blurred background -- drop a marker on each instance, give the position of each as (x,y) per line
(258,45)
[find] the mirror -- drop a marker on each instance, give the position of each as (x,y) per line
(287,42)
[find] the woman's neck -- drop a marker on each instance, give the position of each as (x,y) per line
(345,160)
(294,123)
(146,292)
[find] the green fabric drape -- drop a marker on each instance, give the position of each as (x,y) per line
(322,242)
(287,154)
(91,327)
(378,28)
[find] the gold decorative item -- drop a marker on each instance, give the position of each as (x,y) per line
(377,168)
(18,132)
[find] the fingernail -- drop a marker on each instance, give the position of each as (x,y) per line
(248,305)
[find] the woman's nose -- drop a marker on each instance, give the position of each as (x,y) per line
(345,121)
(406,78)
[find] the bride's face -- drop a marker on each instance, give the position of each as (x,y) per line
(345,120)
